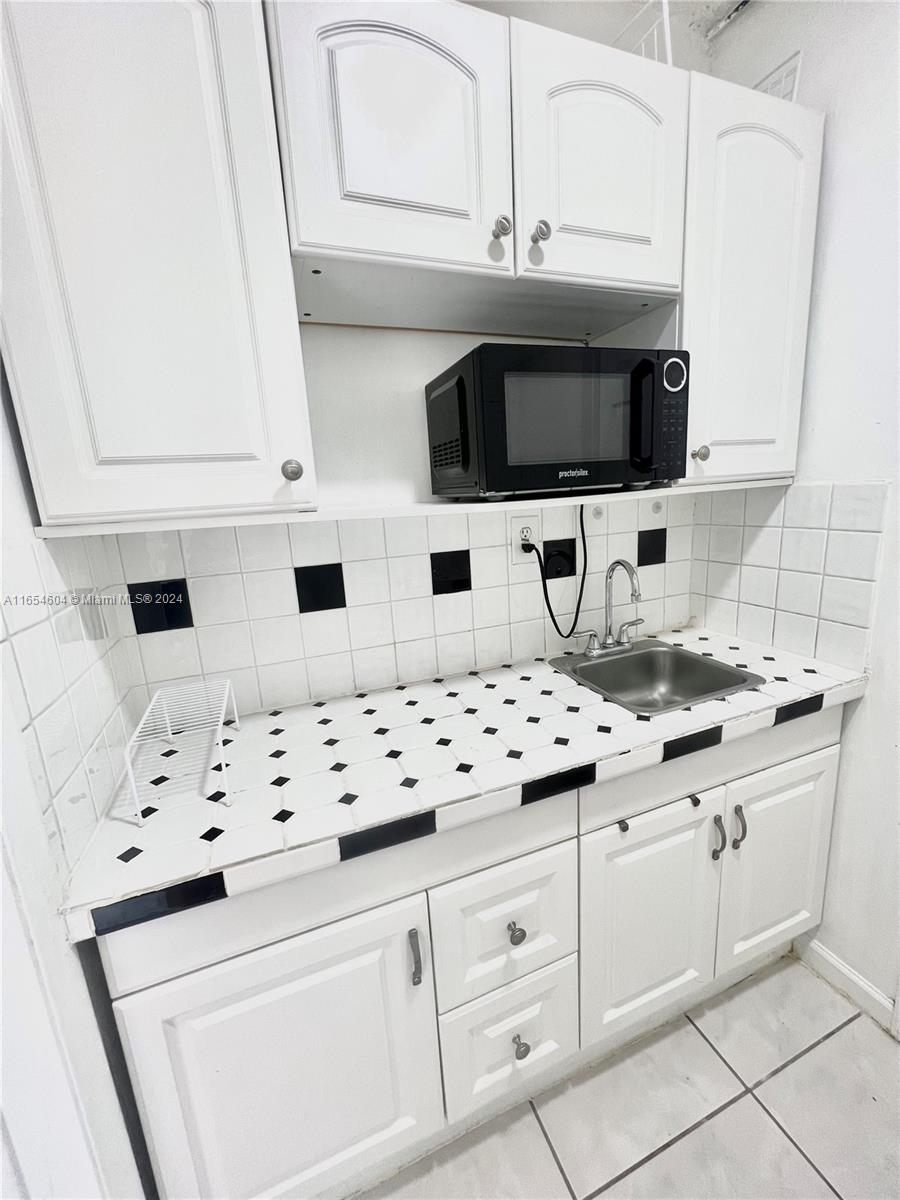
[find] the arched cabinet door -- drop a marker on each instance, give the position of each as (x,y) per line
(600,140)
(752,197)
(394,124)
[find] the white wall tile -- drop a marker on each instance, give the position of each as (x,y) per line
(723,580)
(699,573)
(283,683)
(652,580)
(99,771)
(848,601)
(216,599)
(271,593)
(490,606)
(12,685)
(806,505)
(149,556)
(795,633)
(526,601)
(799,592)
(725,543)
(452,613)
(225,647)
(209,551)
(330,675)
(406,535)
(21,579)
(58,740)
(527,639)
(488,566)
(844,645)
(448,533)
(700,541)
(858,506)
(456,652)
(761,546)
(361,539)
(169,654)
(653,614)
(492,646)
(703,508)
(681,510)
(413,619)
(75,813)
(314,543)
(325,632)
(678,578)
(652,512)
(721,615)
(622,545)
(677,611)
(728,508)
(276,639)
(375,667)
(417,659)
(410,576)
(245,685)
(755,623)
(40,669)
(597,553)
(678,543)
(71,643)
(758,586)
(370,625)
(765,506)
(366,581)
(803,549)
(88,720)
(36,766)
(264,547)
(854,555)
(622,516)
(558,522)
(486,529)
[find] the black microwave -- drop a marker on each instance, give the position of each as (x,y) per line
(508,419)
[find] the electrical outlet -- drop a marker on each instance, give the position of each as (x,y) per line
(517,523)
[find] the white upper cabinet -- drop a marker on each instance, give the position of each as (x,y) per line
(395,130)
(149,327)
(600,144)
(753,186)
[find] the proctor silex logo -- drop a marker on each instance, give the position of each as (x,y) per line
(575,473)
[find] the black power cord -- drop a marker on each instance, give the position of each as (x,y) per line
(530,547)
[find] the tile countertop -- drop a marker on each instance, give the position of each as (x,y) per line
(310,784)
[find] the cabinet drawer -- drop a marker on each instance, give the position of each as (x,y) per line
(482,1057)
(478,923)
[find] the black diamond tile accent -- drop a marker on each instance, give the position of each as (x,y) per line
(768,658)
(489,687)
(443,741)
(227,741)
(230,721)
(212,833)
(427,721)
(160,779)
(369,712)
(472,673)
(532,720)
(361,695)
(320,587)
(509,700)
(525,678)
(604,729)
(651,547)
(148,811)
(706,653)
(276,712)
(319,703)
(407,782)
(810,671)
(546,692)
(572,708)
(514,754)
(280,781)
(734,647)
(381,731)
(560,741)
(470,711)
(781,678)
(275,732)
(744,665)
(401,687)
(129,854)
(324,721)
(284,815)
(703,638)
(348,798)
(489,729)
(411,703)
(278,754)
(216,796)
(392,754)
(643,717)
(218,766)
(453,694)
(465,768)
(160,604)
(330,742)
(169,753)
(451,572)
(338,767)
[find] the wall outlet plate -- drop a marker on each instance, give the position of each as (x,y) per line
(516,522)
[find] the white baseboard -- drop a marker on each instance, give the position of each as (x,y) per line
(834,970)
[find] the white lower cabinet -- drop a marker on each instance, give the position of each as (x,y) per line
(649,896)
(284,1071)
(492,1045)
(773,877)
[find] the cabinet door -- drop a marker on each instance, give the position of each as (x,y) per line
(649,899)
(284,1071)
(150,327)
(600,144)
(773,880)
(752,195)
(394,122)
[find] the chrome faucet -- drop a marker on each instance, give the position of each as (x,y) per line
(623,638)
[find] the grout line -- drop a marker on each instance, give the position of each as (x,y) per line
(806,1049)
(796,1146)
(717,1052)
(666,1145)
(556,1159)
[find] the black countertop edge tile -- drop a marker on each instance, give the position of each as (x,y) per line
(799,708)
(703,739)
(562,781)
(406,829)
(148,907)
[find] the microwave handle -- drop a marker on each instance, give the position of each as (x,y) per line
(642,378)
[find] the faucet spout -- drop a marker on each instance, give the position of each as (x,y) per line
(609,640)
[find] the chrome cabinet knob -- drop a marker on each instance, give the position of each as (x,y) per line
(502,227)
(541,232)
(517,935)
(291,469)
(522,1048)
(702,454)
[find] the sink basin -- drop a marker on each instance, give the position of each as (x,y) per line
(652,677)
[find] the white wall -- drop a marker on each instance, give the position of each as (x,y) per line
(849,429)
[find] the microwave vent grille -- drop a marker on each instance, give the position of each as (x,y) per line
(446,454)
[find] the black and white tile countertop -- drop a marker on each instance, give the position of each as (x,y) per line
(328,781)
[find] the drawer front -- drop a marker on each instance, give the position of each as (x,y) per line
(492,1045)
(498,925)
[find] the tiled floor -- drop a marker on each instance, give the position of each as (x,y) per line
(777,1089)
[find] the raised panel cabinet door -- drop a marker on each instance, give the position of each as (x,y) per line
(752,197)
(395,130)
(773,873)
(649,901)
(600,139)
(284,1071)
(149,323)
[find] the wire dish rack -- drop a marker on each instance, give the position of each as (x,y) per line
(190,720)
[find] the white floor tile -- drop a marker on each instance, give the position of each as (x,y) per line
(604,1121)
(841,1104)
(761,1023)
(508,1159)
(740,1154)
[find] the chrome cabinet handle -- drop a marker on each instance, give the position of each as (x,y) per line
(702,454)
(502,227)
(522,1048)
(413,936)
(291,469)
(739,813)
(517,934)
(720,829)
(542,232)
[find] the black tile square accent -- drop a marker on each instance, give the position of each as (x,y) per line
(278,754)
(283,815)
(212,833)
(559,558)
(148,811)
(604,728)
(369,712)
(465,768)
(129,854)
(320,587)
(168,753)
(799,708)
(138,909)
(509,700)
(161,604)
(352,845)
(560,741)
(489,729)
(330,742)
(279,781)
(276,712)
(408,783)
(348,798)
(563,781)
(643,717)
(532,720)
(217,796)
(702,740)
(275,732)
(411,703)
(514,754)
(450,572)
(392,754)
(572,708)
(446,741)
(338,767)
(651,547)
(381,731)
(470,711)
(159,780)
(427,721)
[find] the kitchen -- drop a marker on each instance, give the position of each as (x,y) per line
(282,283)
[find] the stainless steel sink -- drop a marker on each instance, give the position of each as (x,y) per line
(652,677)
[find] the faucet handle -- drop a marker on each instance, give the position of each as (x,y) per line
(623,638)
(593,648)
